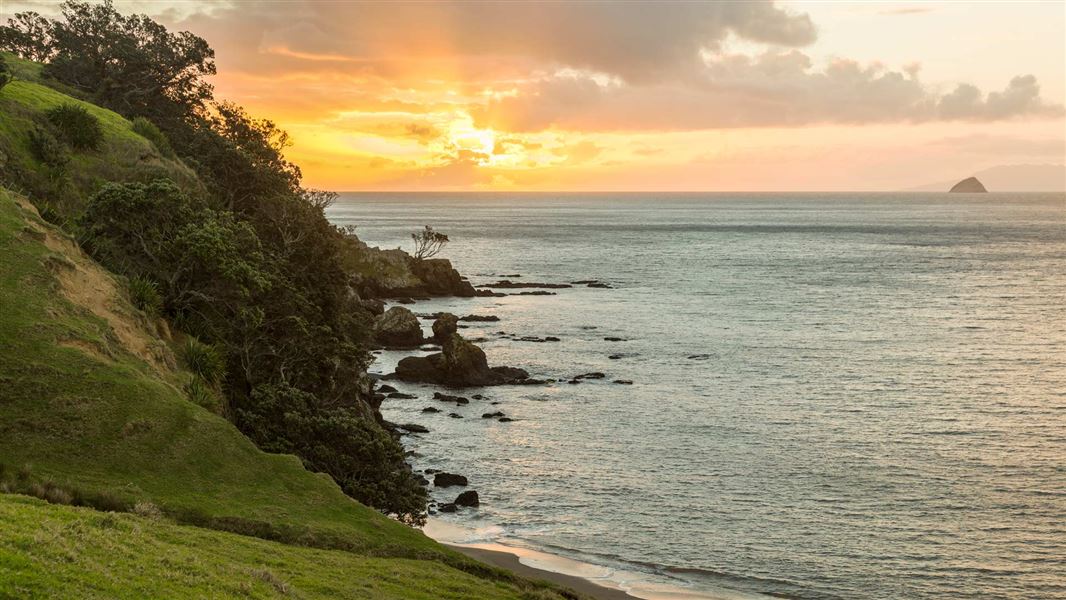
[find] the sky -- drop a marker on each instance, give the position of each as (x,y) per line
(638,95)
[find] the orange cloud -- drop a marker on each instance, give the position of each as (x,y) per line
(680,95)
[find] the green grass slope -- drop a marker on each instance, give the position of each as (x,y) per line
(123,156)
(90,400)
(93,412)
(61,551)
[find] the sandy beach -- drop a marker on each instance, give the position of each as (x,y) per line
(510,561)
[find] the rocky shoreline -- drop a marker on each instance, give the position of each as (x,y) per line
(455,364)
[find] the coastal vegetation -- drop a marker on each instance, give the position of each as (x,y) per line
(245,262)
(184,339)
(428,242)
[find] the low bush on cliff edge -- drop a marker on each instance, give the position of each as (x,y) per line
(78,126)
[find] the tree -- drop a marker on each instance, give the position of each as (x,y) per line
(28,35)
(132,65)
(428,243)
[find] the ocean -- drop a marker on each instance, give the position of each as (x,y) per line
(835,396)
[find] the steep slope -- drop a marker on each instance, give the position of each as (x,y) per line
(90,402)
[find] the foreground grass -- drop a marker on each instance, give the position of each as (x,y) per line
(61,551)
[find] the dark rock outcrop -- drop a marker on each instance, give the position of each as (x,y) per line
(399,328)
(448,480)
(458,400)
(459,364)
(378,273)
(440,279)
(413,428)
(506,284)
(970,185)
(467,498)
(444,326)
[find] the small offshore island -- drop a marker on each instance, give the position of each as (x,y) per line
(970,185)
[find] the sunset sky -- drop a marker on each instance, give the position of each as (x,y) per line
(641,96)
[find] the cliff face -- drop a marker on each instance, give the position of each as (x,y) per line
(377,273)
(970,185)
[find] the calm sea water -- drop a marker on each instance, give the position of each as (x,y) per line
(835,396)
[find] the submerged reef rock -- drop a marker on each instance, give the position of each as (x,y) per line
(448,480)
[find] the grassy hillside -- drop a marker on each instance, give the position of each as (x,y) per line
(61,551)
(123,156)
(91,404)
(94,412)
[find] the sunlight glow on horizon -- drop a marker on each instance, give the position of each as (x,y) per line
(454,96)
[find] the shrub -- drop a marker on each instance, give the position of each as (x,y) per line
(50,492)
(147,129)
(204,360)
(46,148)
(145,295)
(360,456)
(77,125)
(201,394)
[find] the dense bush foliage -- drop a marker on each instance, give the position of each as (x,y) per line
(147,129)
(220,283)
(77,126)
(252,268)
(47,148)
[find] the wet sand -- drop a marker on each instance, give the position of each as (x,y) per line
(506,560)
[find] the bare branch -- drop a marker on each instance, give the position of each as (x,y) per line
(428,243)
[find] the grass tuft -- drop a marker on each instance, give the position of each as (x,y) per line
(145,295)
(204,360)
